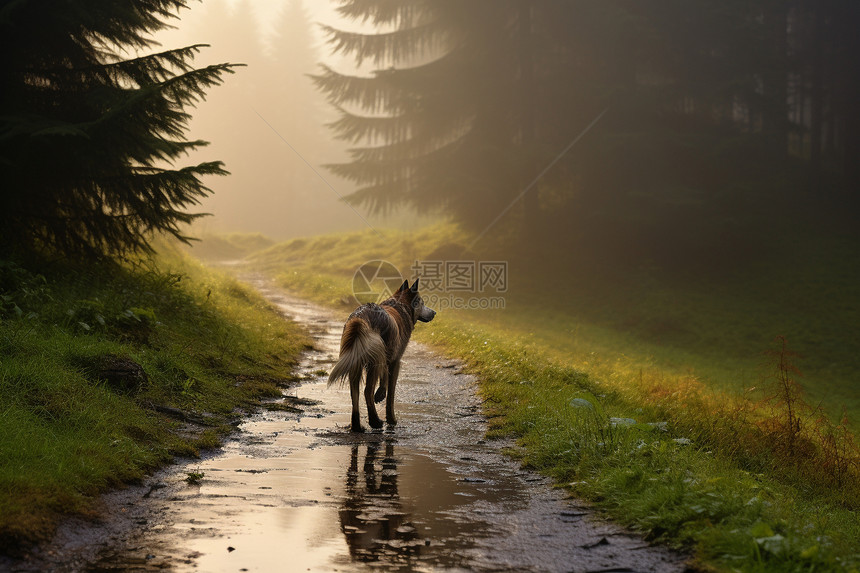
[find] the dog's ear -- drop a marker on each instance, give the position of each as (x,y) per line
(415,285)
(403,287)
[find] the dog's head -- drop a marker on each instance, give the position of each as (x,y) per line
(409,295)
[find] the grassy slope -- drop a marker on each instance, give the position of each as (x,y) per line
(207,345)
(717,332)
(710,471)
(232,246)
(720,326)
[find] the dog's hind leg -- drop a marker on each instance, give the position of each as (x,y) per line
(393,373)
(373,373)
(354,391)
(382,390)
(383,384)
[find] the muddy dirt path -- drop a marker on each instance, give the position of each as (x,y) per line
(299,492)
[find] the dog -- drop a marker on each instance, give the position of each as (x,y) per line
(374,339)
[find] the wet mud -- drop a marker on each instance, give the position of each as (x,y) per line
(297,491)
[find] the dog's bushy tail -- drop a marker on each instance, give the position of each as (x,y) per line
(360,347)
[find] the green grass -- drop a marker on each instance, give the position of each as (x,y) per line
(716,329)
(720,324)
(667,473)
(207,346)
(656,429)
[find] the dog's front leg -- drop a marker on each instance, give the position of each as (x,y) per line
(393,373)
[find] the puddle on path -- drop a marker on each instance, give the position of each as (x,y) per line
(299,492)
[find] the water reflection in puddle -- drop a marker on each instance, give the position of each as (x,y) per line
(340,506)
(396,509)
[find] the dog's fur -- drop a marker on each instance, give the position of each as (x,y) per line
(374,339)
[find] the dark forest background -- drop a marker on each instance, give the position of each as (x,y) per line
(724,119)
(673,131)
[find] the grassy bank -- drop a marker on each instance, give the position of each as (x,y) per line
(688,459)
(107,371)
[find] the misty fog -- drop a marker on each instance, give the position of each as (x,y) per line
(634,223)
(267,122)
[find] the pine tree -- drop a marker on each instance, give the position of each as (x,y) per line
(227,117)
(468,103)
(300,200)
(293,56)
(88,137)
(431,125)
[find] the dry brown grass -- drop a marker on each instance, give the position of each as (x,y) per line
(769,428)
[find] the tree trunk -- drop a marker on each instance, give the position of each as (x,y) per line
(775,79)
(816,96)
(527,114)
(851,97)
